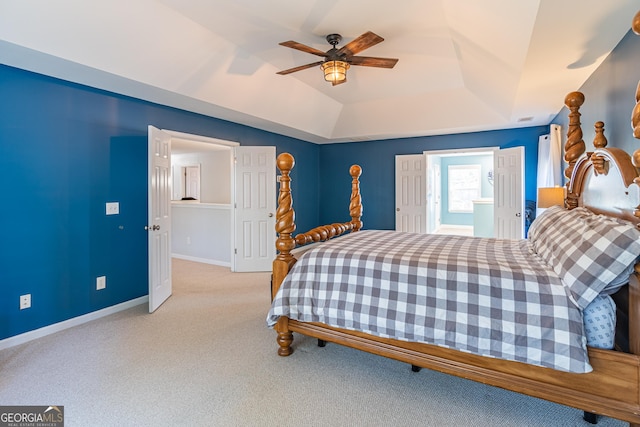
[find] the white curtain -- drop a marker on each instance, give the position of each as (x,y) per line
(550,159)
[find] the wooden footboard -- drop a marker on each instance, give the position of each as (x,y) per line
(286,242)
(285,220)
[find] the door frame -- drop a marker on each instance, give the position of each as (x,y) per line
(208,140)
(449,153)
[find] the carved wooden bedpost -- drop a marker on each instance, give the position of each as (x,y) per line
(634,285)
(285,226)
(635,115)
(600,165)
(574,147)
(355,206)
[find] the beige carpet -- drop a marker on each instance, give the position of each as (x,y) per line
(206,358)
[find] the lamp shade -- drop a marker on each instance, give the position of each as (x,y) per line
(550,196)
(335,71)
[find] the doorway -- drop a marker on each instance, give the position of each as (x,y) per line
(201,201)
(460,189)
(230,222)
(452,192)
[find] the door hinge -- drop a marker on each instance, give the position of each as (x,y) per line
(235,251)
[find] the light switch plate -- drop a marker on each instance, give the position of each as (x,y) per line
(113,208)
(101,282)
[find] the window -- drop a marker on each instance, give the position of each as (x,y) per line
(464,187)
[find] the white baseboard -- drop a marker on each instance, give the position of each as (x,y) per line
(60,326)
(202,260)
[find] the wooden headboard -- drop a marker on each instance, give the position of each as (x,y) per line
(604,180)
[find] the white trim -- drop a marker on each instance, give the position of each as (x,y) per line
(202,260)
(200,138)
(454,152)
(66,324)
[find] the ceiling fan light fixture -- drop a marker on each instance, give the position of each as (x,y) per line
(335,71)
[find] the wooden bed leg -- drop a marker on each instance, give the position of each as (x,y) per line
(284,341)
(590,417)
(285,337)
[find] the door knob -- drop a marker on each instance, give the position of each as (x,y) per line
(270,214)
(152,228)
(518,214)
(397,209)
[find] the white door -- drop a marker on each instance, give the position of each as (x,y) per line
(254,208)
(159,220)
(508,193)
(192,184)
(411,211)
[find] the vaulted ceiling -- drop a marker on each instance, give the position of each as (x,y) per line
(464,65)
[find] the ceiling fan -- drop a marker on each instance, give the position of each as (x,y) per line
(337,61)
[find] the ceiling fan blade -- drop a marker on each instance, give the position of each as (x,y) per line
(370,61)
(303,47)
(299,68)
(359,44)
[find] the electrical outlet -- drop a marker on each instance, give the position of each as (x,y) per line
(113,208)
(25,301)
(101,282)
(188,240)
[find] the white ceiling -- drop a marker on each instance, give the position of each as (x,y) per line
(464,65)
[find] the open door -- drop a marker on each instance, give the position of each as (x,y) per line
(410,193)
(254,208)
(159,217)
(508,193)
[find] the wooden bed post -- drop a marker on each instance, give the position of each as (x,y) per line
(355,206)
(635,115)
(285,226)
(574,147)
(634,283)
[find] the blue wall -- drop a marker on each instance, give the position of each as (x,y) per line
(377,159)
(66,150)
(610,97)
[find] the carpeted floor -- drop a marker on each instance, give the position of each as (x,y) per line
(206,358)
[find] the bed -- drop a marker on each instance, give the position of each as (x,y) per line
(602,193)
